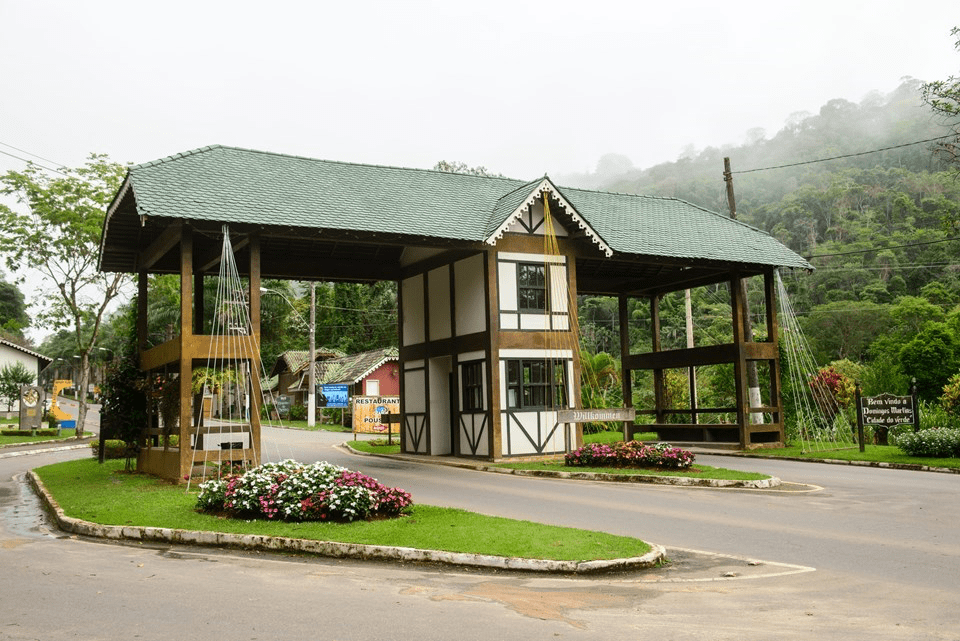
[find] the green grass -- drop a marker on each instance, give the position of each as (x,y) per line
(614,437)
(695,472)
(369,446)
(875,453)
(302,425)
(26,437)
(103,494)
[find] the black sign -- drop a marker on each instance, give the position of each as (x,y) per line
(887,410)
(283,406)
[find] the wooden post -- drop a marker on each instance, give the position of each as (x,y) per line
(186,348)
(256,394)
(692,373)
(740,364)
(916,405)
(859,414)
(658,392)
(626,374)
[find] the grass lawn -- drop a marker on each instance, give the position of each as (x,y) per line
(613,437)
(26,437)
(694,472)
(302,425)
(377,446)
(104,494)
(876,453)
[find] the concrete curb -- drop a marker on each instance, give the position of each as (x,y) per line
(915,467)
(44,450)
(334,549)
(681,481)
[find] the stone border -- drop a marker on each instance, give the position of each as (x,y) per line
(332,548)
(682,481)
(914,467)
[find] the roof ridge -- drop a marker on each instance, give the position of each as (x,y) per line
(200,150)
(670,198)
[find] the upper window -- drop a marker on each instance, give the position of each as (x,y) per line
(536,384)
(532,287)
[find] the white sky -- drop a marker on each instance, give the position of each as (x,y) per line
(520,87)
(523,88)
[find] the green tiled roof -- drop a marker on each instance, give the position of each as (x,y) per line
(353,368)
(231,185)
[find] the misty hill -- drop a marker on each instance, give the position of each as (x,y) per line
(878,227)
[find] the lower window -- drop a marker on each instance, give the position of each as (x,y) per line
(536,384)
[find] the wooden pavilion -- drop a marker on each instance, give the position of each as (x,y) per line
(488,272)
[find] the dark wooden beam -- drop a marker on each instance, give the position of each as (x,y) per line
(166,241)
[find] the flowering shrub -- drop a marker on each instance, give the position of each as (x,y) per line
(939,443)
(295,492)
(630,454)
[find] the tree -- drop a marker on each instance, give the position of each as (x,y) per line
(456,167)
(12,377)
(943,97)
(57,232)
(13,310)
(931,358)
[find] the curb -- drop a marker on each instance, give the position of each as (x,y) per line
(680,481)
(914,467)
(44,450)
(335,549)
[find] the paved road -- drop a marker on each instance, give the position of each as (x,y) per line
(884,545)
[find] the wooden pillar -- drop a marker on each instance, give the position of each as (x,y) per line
(402,367)
(143,337)
(455,393)
(773,336)
(573,340)
(740,364)
(626,374)
(186,348)
(198,318)
(493,358)
(658,380)
(256,393)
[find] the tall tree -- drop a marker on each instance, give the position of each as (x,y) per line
(943,97)
(56,230)
(13,310)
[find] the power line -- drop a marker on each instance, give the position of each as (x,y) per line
(31,162)
(875,249)
(861,153)
(6,144)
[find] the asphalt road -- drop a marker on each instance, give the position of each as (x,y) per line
(874,554)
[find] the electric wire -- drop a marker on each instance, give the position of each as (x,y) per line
(840,157)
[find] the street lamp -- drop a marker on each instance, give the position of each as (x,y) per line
(311,371)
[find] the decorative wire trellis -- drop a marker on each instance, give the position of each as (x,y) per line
(821,424)
(228,380)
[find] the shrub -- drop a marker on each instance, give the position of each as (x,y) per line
(950,399)
(938,443)
(630,454)
(298,412)
(295,492)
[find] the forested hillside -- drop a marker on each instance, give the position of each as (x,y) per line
(881,229)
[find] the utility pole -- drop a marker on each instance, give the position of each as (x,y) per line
(753,381)
(312,365)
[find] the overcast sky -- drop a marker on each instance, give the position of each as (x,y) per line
(522,88)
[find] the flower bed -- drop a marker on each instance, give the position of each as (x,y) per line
(630,454)
(293,491)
